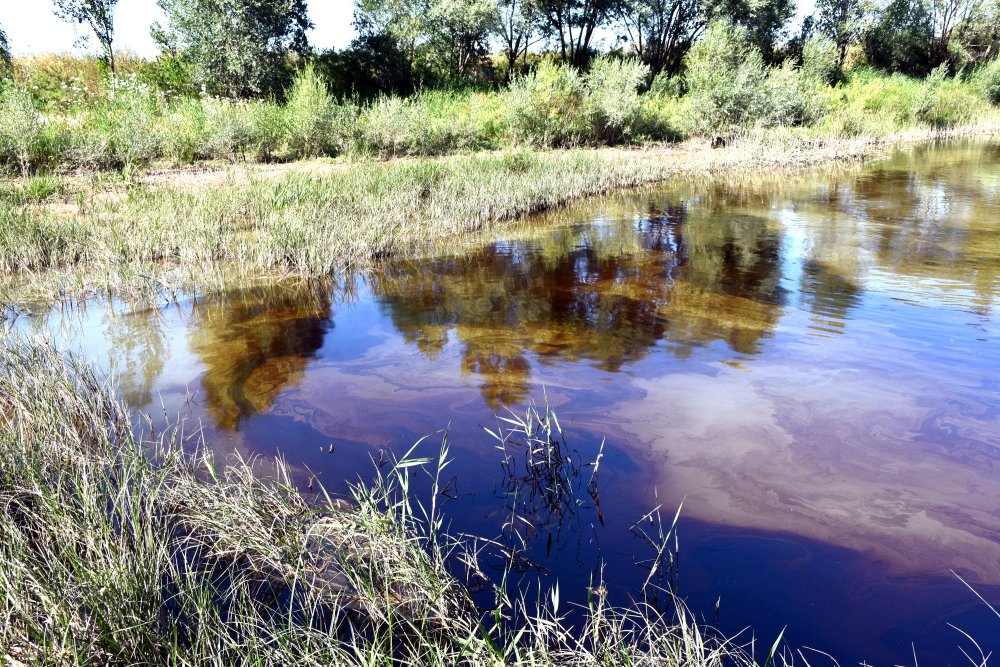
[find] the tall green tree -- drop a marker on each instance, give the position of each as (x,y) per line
(900,38)
(661,32)
(4,49)
(842,21)
(237,48)
(447,40)
(99,15)
(516,28)
(572,24)
(765,20)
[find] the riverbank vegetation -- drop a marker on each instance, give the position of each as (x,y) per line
(437,78)
(727,90)
(118,549)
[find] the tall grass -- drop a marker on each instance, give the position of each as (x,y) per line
(116,549)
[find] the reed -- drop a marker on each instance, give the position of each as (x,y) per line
(117,548)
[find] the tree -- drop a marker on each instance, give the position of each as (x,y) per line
(516,26)
(661,32)
(447,40)
(946,16)
(842,21)
(98,14)
(765,20)
(373,65)
(4,49)
(900,38)
(237,48)
(572,23)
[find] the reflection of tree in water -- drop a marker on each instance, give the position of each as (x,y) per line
(255,343)
(606,293)
(932,216)
(828,294)
(137,353)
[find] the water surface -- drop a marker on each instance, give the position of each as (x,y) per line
(808,363)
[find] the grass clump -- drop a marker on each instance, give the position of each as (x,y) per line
(118,550)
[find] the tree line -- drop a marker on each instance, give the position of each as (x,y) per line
(249,48)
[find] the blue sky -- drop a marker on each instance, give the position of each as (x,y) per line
(33,28)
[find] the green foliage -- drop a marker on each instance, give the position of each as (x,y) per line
(430,123)
(901,38)
(987,79)
(726,80)
(374,65)
(4,51)
(309,115)
(446,41)
(236,48)
(612,88)
(170,74)
(27,141)
(185,131)
(120,131)
(548,107)
(942,102)
(820,60)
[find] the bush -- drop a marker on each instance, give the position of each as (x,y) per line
(987,79)
(612,88)
(229,130)
(548,107)
(429,123)
(120,129)
(944,102)
(726,79)
(820,60)
(185,131)
(309,115)
(27,140)
(791,97)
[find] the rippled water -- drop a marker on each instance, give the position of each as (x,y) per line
(809,363)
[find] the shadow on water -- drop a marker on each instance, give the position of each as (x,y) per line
(808,364)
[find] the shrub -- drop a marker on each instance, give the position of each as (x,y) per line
(429,123)
(27,140)
(791,97)
(612,88)
(820,60)
(944,102)
(548,107)
(268,129)
(228,129)
(726,79)
(184,131)
(309,115)
(987,79)
(120,129)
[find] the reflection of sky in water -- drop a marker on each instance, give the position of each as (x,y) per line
(810,363)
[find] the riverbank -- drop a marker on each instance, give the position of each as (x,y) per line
(164,231)
(121,549)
